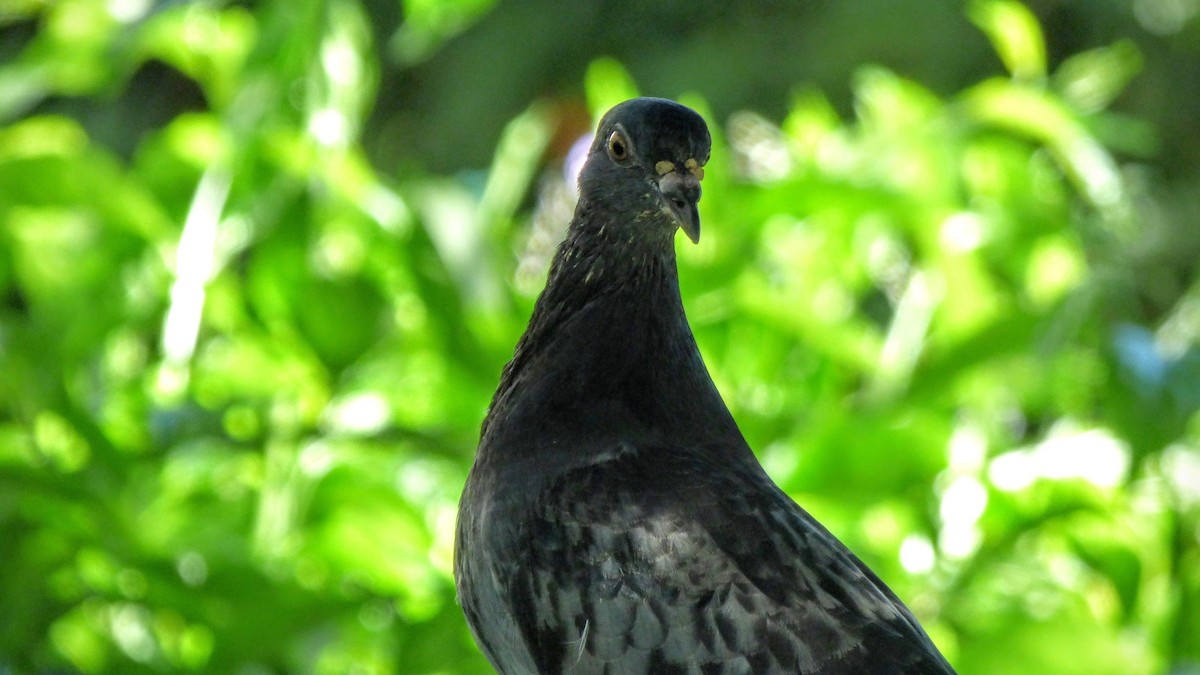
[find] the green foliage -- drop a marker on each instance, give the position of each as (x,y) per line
(242,369)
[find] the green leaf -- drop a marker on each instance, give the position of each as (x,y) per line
(607,83)
(1015,34)
(1091,80)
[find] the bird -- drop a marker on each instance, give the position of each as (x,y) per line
(615,520)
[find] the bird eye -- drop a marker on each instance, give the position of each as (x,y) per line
(618,147)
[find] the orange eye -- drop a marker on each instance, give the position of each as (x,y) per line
(618,147)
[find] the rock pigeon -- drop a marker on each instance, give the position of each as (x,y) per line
(615,520)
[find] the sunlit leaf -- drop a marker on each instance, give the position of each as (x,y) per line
(607,83)
(1091,80)
(1015,34)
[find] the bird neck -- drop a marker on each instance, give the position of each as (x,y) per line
(609,347)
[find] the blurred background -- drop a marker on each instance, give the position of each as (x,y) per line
(261,264)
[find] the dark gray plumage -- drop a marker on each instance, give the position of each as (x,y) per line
(615,520)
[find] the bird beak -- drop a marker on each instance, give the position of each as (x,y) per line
(681,190)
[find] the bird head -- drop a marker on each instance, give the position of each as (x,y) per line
(648,159)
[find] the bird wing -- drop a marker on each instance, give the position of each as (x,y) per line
(690,560)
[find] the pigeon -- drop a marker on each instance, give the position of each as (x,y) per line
(615,521)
